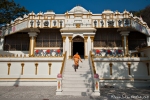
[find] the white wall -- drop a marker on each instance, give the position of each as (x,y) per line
(120,77)
(29,78)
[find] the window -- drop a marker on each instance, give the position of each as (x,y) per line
(17,42)
(136,40)
(107,38)
(49,38)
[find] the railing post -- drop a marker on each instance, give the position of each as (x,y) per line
(96,78)
(59,84)
(59,77)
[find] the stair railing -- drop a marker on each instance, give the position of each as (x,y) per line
(63,63)
(96,76)
(59,76)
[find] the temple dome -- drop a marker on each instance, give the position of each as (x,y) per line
(78,9)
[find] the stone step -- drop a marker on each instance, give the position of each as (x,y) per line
(82,84)
(77,81)
(77,75)
(77,72)
(76,93)
(73,70)
(77,78)
(69,85)
(78,89)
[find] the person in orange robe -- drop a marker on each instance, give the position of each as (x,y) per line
(76,60)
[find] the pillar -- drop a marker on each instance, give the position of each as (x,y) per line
(85,47)
(92,40)
(148,41)
(125,41)
(32,36)
(70,40)
(64,44)
(2,43)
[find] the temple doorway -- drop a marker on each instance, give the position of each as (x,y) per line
(78,46)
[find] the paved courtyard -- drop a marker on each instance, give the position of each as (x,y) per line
(48,93)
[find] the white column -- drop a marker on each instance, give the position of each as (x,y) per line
(64,44)
(32,36)
(1,43)
(92,39)
(70,40)
(148,41)
(125,41)
(85,47)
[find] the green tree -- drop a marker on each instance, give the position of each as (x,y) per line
(9,10)
(144,13)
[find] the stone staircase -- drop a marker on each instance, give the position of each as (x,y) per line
(79,82)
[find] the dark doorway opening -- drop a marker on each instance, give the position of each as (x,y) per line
(78,47)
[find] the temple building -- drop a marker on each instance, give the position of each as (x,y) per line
(37,49)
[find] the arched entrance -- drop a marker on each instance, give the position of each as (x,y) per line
(78,46)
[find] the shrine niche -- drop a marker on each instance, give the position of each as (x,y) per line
(78,39)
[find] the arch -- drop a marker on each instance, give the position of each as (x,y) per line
(78,45)
(78,38)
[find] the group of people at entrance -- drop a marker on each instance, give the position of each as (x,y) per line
(76,58)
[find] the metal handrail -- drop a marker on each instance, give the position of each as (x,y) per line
(63,63)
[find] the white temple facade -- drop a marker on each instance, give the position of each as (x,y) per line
(115,43)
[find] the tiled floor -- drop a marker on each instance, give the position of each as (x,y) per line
(48,93)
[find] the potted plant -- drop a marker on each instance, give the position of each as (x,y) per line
(119,52)
(58,52)
(37,52)
(97,52)
(48,52)
(108,52)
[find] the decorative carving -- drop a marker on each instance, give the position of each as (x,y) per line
(85,39)
(95,23)
(110,23)
(36,65)
(102,23)
(78,39)
(110,64)
(46,23)
(77,25)
(31,23)
(92,39)
(61,23)
(54,23)
(64,38)
(22,64)
(38,23)
(9,64)
(127,22)
(119,23)
(129,65)
(70,39)
(49,64)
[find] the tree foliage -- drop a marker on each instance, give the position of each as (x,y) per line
(144,13)
(9,10)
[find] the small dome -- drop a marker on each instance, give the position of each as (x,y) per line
(107,11)
(49,12)
(126,12)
